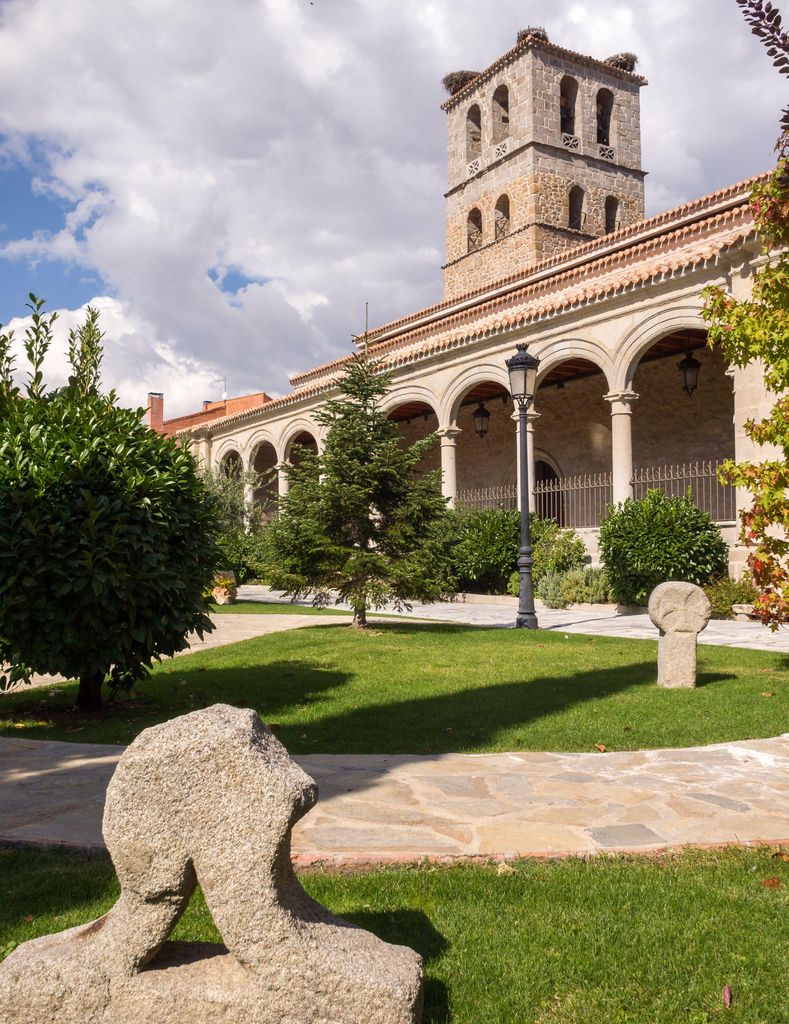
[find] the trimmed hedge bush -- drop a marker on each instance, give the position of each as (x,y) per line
(657,538)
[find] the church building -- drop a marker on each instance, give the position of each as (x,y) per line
(546,242)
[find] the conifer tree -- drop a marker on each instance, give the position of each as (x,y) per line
(360,521)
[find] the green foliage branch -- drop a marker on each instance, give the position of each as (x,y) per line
(649,540)
(107,541)
(758,329)
(360,522)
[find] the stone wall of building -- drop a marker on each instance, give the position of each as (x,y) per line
(671,428)
(573,432)
(535,169)
(489,461)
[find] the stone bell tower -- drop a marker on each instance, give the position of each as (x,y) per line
(544,153)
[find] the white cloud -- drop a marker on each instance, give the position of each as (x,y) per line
(133,355)
(303,145)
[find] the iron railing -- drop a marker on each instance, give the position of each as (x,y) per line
(505,496)
(699,478)
(574,501)
(581,501)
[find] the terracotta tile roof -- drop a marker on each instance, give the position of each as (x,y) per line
(582,255)
(536,43)
(674,241)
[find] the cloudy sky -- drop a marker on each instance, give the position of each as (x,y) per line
(230,182)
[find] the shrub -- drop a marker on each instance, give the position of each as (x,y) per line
(486,549)
(550,590)
(107,540)
(657,538)
(723,592)
(554,551)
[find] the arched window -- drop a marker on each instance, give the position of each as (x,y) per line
(611,214)
(567,96)
(501,113)
(575,219)
(502,215)
(474,230)
(473,133)
(232,465)
(605,105)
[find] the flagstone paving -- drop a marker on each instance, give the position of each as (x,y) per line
(378,809)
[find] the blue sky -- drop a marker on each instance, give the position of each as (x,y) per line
(231,183)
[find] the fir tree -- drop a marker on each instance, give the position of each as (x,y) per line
(360,519)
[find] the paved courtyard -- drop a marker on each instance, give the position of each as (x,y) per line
(378,809)
(598,621)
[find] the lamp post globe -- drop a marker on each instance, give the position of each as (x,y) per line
(522,369)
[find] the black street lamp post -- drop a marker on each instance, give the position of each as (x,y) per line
(522,368)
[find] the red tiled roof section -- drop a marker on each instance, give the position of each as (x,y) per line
(664,226)
(536,43)
(682,238)
(212,411)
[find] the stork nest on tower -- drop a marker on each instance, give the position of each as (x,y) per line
(533,30)
(457,80)
(623,61)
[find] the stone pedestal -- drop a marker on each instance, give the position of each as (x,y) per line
(680,611)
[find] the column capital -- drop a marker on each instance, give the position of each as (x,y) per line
(449,433)
(621,401)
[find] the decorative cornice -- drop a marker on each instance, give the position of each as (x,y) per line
(531,42)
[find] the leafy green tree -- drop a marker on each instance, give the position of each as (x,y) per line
(359,518)
(243,524)
(107,541)
(758,329)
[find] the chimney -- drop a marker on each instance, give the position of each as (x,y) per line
(156,411)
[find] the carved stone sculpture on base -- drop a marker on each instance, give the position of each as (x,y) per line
(680,611)
(210,797)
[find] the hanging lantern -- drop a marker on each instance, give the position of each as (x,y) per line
(689,368)
(481,417)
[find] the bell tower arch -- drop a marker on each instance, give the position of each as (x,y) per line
(555,132)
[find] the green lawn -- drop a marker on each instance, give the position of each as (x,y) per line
(605,941)
(272,608)
(429,688)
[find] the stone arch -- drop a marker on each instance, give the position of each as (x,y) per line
(264,461)
(473,133)
(292,433)
(255,441)
(229,460)
(611,214)
(560,351)
(638,340)
(474,229)
(411,393)
(575,208)
(502,215)
(463,383)
(604,109)
(501,113)
(568,95)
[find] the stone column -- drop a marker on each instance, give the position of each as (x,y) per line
(621,443)
(449,476)
(282,480)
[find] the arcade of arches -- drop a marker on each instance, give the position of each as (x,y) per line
(588,445)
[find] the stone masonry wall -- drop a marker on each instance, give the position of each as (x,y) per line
(537,172)
(488,461)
